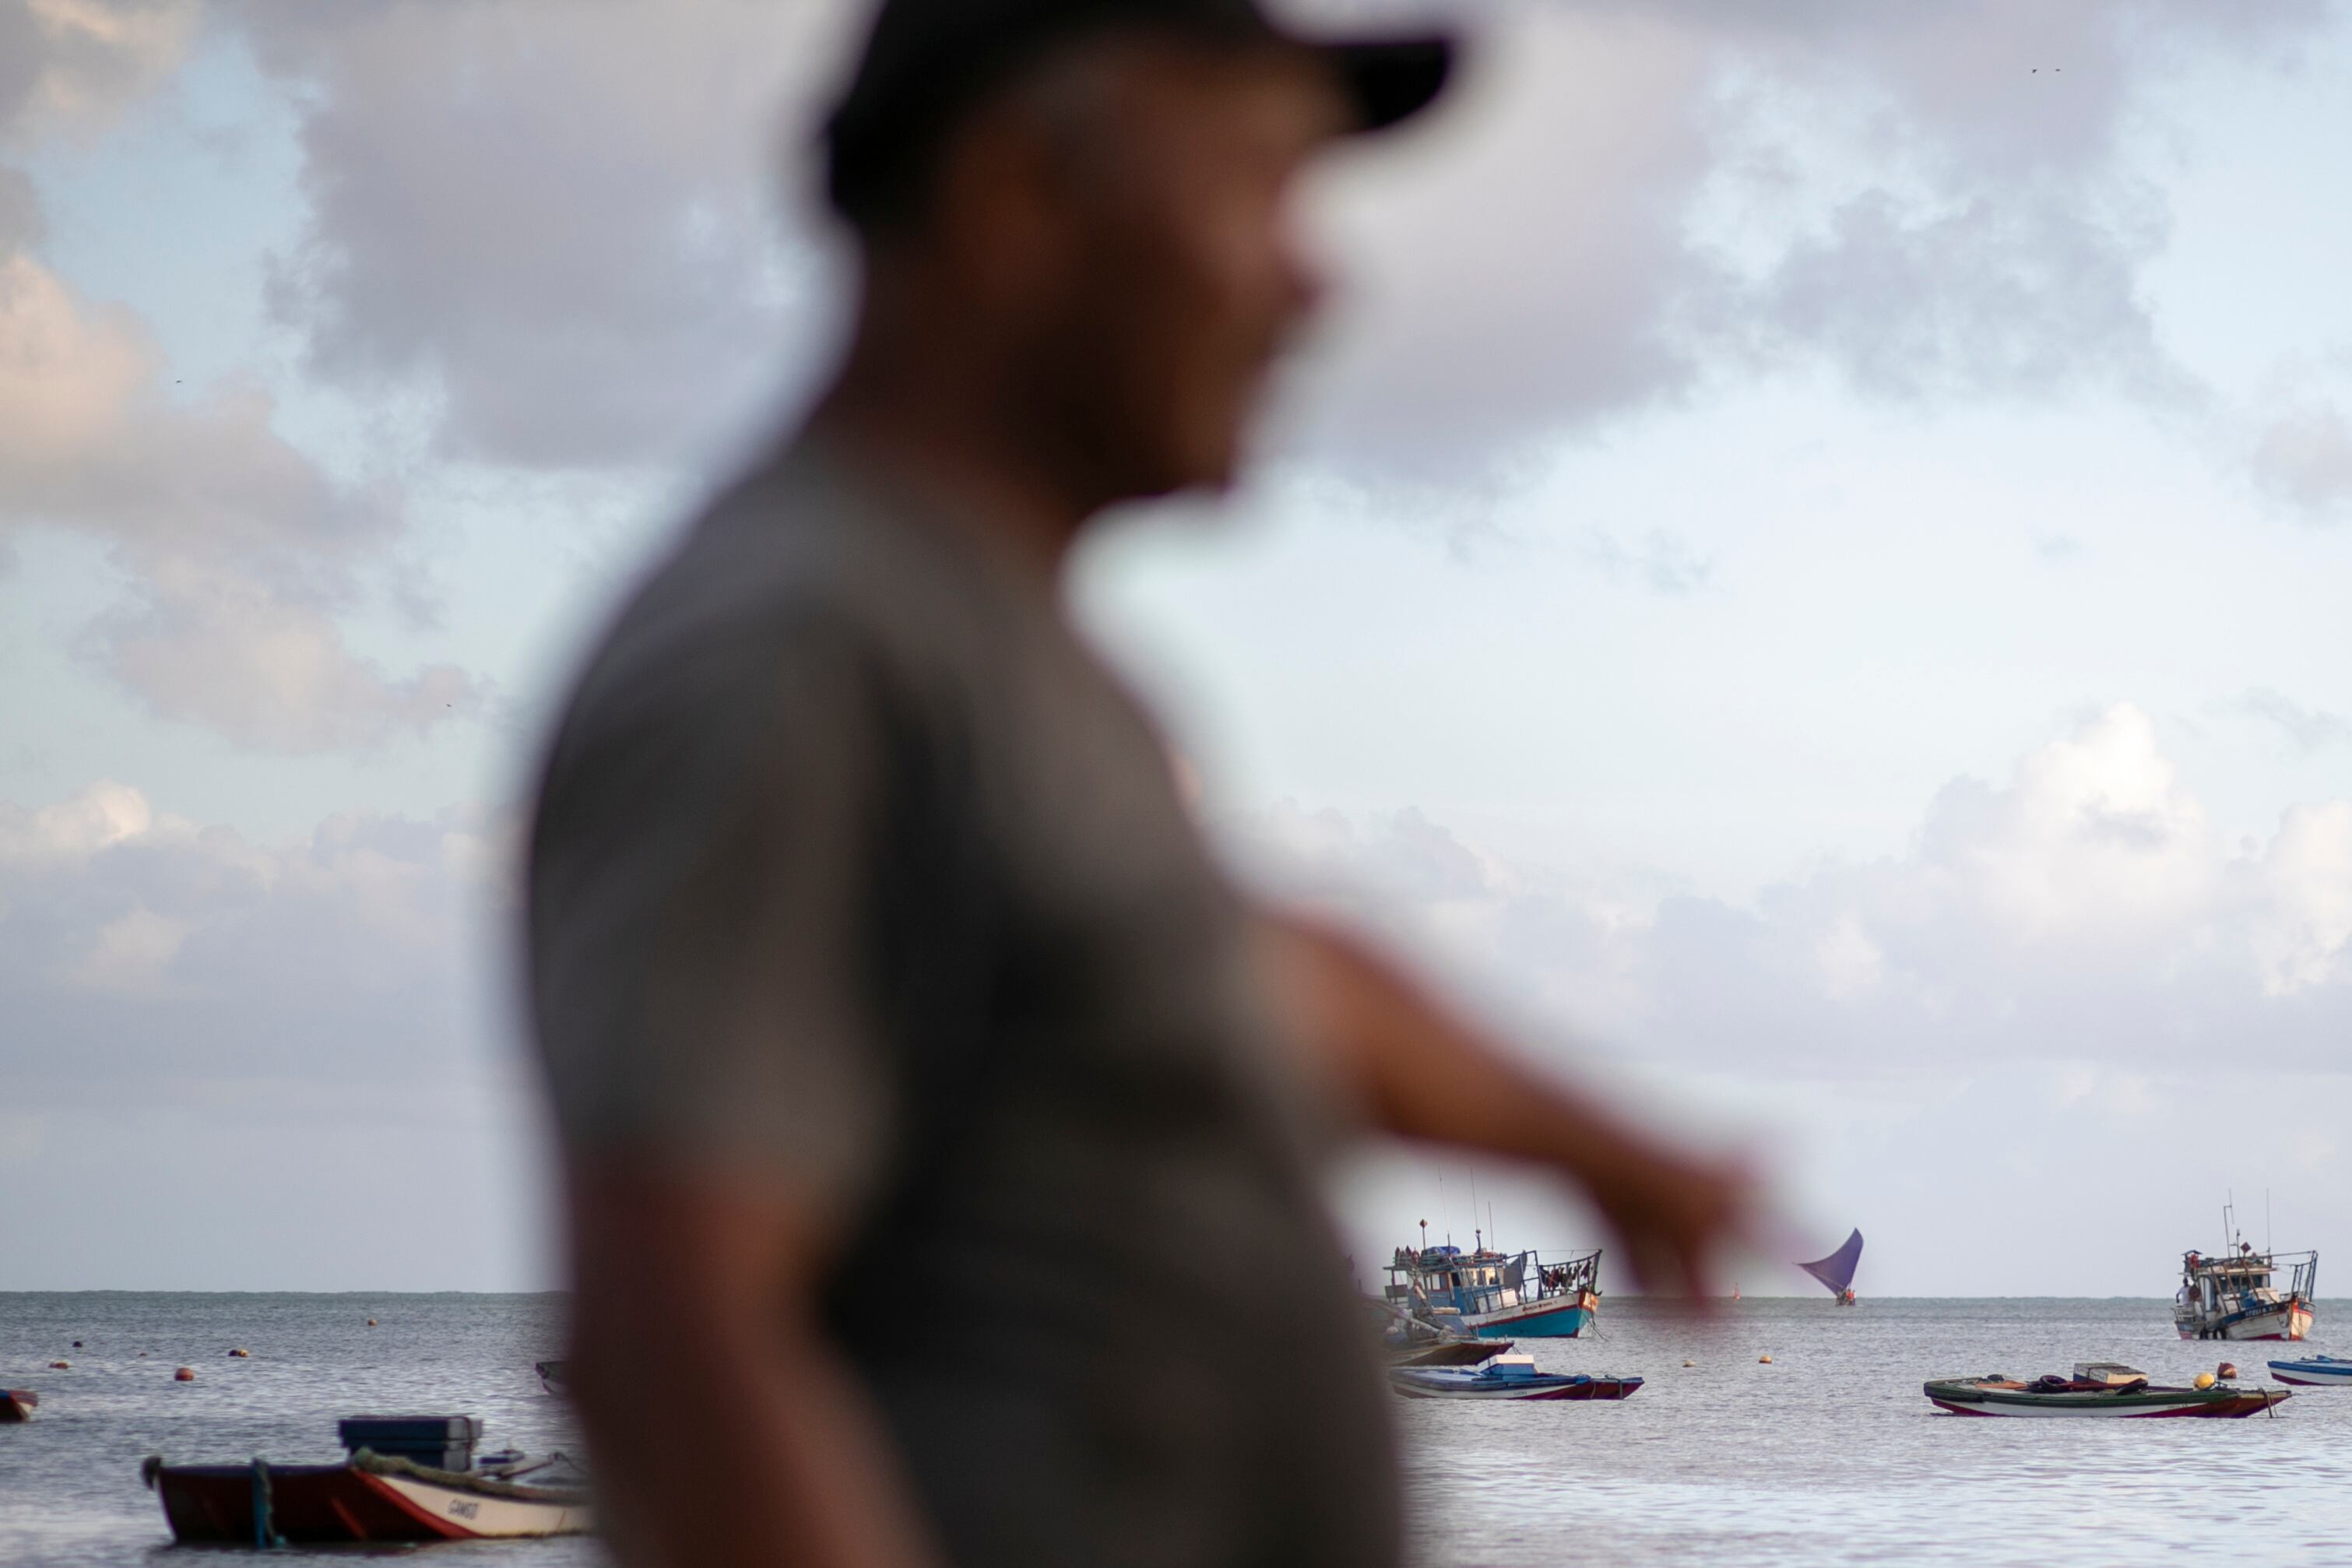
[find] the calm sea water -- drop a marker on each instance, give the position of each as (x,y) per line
(1828,1454)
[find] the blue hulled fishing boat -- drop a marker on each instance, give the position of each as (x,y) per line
(1496,1295)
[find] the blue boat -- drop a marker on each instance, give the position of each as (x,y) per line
(1507,1377)
(2314,1372)
(1496,1295)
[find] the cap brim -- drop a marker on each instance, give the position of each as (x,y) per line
(1391,80)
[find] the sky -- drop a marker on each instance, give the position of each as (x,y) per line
(1801,576)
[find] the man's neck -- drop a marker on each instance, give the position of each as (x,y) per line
(934,420)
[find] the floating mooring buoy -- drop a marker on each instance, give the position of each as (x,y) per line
(185,1374)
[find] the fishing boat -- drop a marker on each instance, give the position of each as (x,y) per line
(2097,1389)
(1507,1377)
(17,1404)
(381,1491)
(1836,1271)
(1496,1295)
(2319,1372)
(2235,1296)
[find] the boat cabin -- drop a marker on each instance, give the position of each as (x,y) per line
(1446,1280)
(2243,1281)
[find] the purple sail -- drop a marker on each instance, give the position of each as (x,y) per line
(1836,1271)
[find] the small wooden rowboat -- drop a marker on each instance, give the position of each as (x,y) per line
(368,1498)
(1506,1377)
(2317,1372)
(17,1404)
(2100,1390)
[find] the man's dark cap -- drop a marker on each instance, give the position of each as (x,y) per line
(927,62)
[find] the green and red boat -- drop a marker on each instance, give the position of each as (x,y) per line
(2098,1389)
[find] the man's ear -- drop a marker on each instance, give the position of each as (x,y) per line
(1007,217)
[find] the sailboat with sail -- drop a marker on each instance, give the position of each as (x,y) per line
(1836,1271)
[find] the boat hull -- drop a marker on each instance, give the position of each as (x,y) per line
(320,1503)
(17,1404)
(1450,1353)
(1536,1320)
(2324,1373)
(2288,1321)
(1467,1386)
(1969,1398)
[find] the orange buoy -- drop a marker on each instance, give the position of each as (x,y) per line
(1690,1364)
(185,1374)
(1764,1360)
(60,1366)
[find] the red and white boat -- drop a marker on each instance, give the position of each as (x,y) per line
(372,1495)
(2236,1296)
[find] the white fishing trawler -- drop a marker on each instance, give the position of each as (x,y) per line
(2236,1295)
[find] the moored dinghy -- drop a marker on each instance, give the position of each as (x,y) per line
(2316,1372)
(2105,1389)
(1507,1377)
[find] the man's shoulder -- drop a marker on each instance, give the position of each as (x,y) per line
(789,565)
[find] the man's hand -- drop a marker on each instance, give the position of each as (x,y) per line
(1672,1212)
(1421,1072)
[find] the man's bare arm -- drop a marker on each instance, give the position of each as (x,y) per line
(723,1430)
(1422,1072)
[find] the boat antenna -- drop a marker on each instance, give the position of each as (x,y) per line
(1444,1214)
(1490,1224)
(1478,1243)
(2266,1220)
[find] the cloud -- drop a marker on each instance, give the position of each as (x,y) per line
(588,234)
(2304,459)
(194,1018)
(141,949)
(1662,560)
(71,65)
(238,551)
(2307,730)
(2087,909)
(1629,204)
(562,220)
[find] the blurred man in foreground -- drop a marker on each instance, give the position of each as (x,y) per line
(941,1126)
